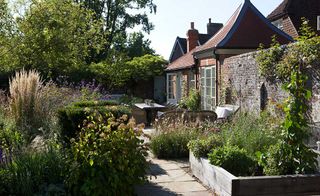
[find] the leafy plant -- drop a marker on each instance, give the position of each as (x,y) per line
(107,157)
(192,101)
(130,100)
(200,147)
(71,117)
(233,159)
(252,133)
(32,173)
(173,144)
(297,62)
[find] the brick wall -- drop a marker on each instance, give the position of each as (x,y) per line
(289,28)
(240,75)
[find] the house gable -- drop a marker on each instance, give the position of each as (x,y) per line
(290,12)
(179,49)
(246,29)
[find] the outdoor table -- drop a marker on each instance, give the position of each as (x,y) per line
(150,109)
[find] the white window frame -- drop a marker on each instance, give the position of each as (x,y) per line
(171,96)
(278,24)
(192,81)
(318,23)
(208,87)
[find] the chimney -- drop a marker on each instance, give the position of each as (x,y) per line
(213,28)
(192,38)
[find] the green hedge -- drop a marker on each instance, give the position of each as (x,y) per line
(71,117)
(95,103)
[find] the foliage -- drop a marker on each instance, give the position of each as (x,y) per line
(252,133)
(297,63)
(267,60)
(71,117)
(172,144)
(137,46)
(200,147)
(117,17)
(233,159)
(130,100)
(108,157)
(126,72)
(7,35)
(57,36)
(34,173)
(10,142)
(95,103)
(191,102)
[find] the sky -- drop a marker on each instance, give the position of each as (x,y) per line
(173,18)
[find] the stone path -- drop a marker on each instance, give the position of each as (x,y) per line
(168,177)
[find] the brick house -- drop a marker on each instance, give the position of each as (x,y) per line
(180,72)
(242,33)
(287,16)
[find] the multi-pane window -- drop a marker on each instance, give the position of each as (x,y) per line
(171,86)
(207,87)
(278,24)
(192,81)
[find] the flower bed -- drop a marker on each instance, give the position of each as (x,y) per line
(224,183)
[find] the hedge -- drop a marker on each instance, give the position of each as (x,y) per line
(71,117)
(95,103)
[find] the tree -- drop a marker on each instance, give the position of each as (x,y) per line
(127,73)
(292,65)
(55,38)
(7,34)
(117,17)
(137,46)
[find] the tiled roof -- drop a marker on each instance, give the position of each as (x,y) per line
(218,37)
(184,62)
(296,9)
(279,11)
(245,29)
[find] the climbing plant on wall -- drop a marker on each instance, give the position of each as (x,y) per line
(292,65)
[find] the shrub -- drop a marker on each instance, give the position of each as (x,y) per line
(277,162)
(191,102)
(93,103)
(252,133)
(233,159)
(108,157)
(33,173)
(130,100)
(72,117)
(202,146)
(173,144)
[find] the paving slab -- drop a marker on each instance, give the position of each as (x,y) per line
(169,178)
(177,175)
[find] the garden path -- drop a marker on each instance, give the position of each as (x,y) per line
(170,177)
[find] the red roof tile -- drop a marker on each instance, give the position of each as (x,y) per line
(218,37)
(246,29)
(184,62)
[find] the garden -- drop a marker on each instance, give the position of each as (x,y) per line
(54,143)
(253,154)
(61,133)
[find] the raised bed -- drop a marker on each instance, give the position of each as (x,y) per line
(224,183)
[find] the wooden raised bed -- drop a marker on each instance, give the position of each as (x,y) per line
(224,183)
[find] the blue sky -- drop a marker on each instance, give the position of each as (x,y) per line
(173,18)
